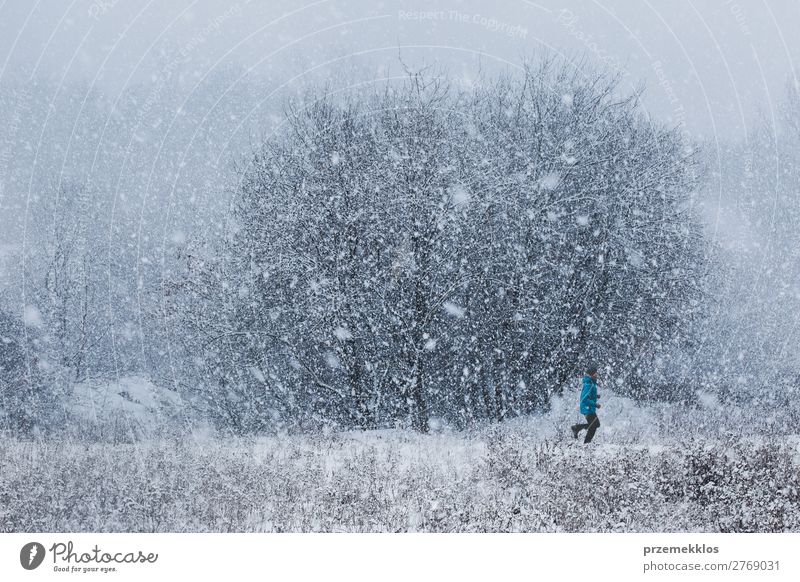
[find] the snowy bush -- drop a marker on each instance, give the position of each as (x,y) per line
(761,482)
(29,404)
(498,478)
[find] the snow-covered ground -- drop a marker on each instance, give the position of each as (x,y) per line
(133,396)
(653,468)
(129,408)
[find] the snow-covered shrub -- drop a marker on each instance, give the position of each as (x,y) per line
(745,487)
(29,404)
(494,479)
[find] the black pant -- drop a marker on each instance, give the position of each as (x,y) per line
(592,424)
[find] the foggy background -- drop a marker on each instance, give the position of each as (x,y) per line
(147,108)
(153,99)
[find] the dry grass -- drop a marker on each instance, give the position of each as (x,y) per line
(495,479)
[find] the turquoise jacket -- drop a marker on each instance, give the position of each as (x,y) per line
(589,395)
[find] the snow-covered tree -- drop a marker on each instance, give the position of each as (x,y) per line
(431,252)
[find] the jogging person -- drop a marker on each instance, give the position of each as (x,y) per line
(588,406)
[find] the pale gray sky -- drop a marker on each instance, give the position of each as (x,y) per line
(710,64)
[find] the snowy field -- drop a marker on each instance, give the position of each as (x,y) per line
(738,471)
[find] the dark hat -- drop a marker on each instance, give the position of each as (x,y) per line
(591,369)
